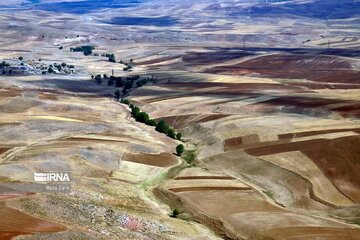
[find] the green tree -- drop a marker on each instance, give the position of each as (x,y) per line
(125,101)
(112,58)
(142,117)
(151,122)
(119,82)
(180,149)
(162,126)
(98,79)
(129,84)
(178,136)
(117,94)
(110,82)
(124,91)
(21,58)
(171,133)
(175,213)
(135,112)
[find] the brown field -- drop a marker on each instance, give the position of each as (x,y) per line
(340,166)
(268,106)
(314,68)
(203,177)
(160,160)
(23,224)
(201,189)
(101,145)
(264,127)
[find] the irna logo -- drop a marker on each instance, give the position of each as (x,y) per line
(52,177)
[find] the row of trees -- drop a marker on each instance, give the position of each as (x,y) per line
(126,83)
(4,64)
(110,56)
(87,50)
(143,117)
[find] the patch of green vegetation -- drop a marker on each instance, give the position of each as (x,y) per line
(112,58)
(87,50)
(7,180)
(143,117)
(357,222)
(189,156)
(151,182)
(98,79)
(127,68)
(4,64)
(175,213)
(180,149)
(269,194)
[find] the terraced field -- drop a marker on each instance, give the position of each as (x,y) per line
(113,161)
(278,139)
(266,95)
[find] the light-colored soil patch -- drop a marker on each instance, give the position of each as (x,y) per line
(301,164)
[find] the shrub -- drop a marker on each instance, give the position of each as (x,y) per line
(63,65)
(61,47)
(51,70)
(21,58)
(189,156)
(175,213)
(128,67)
